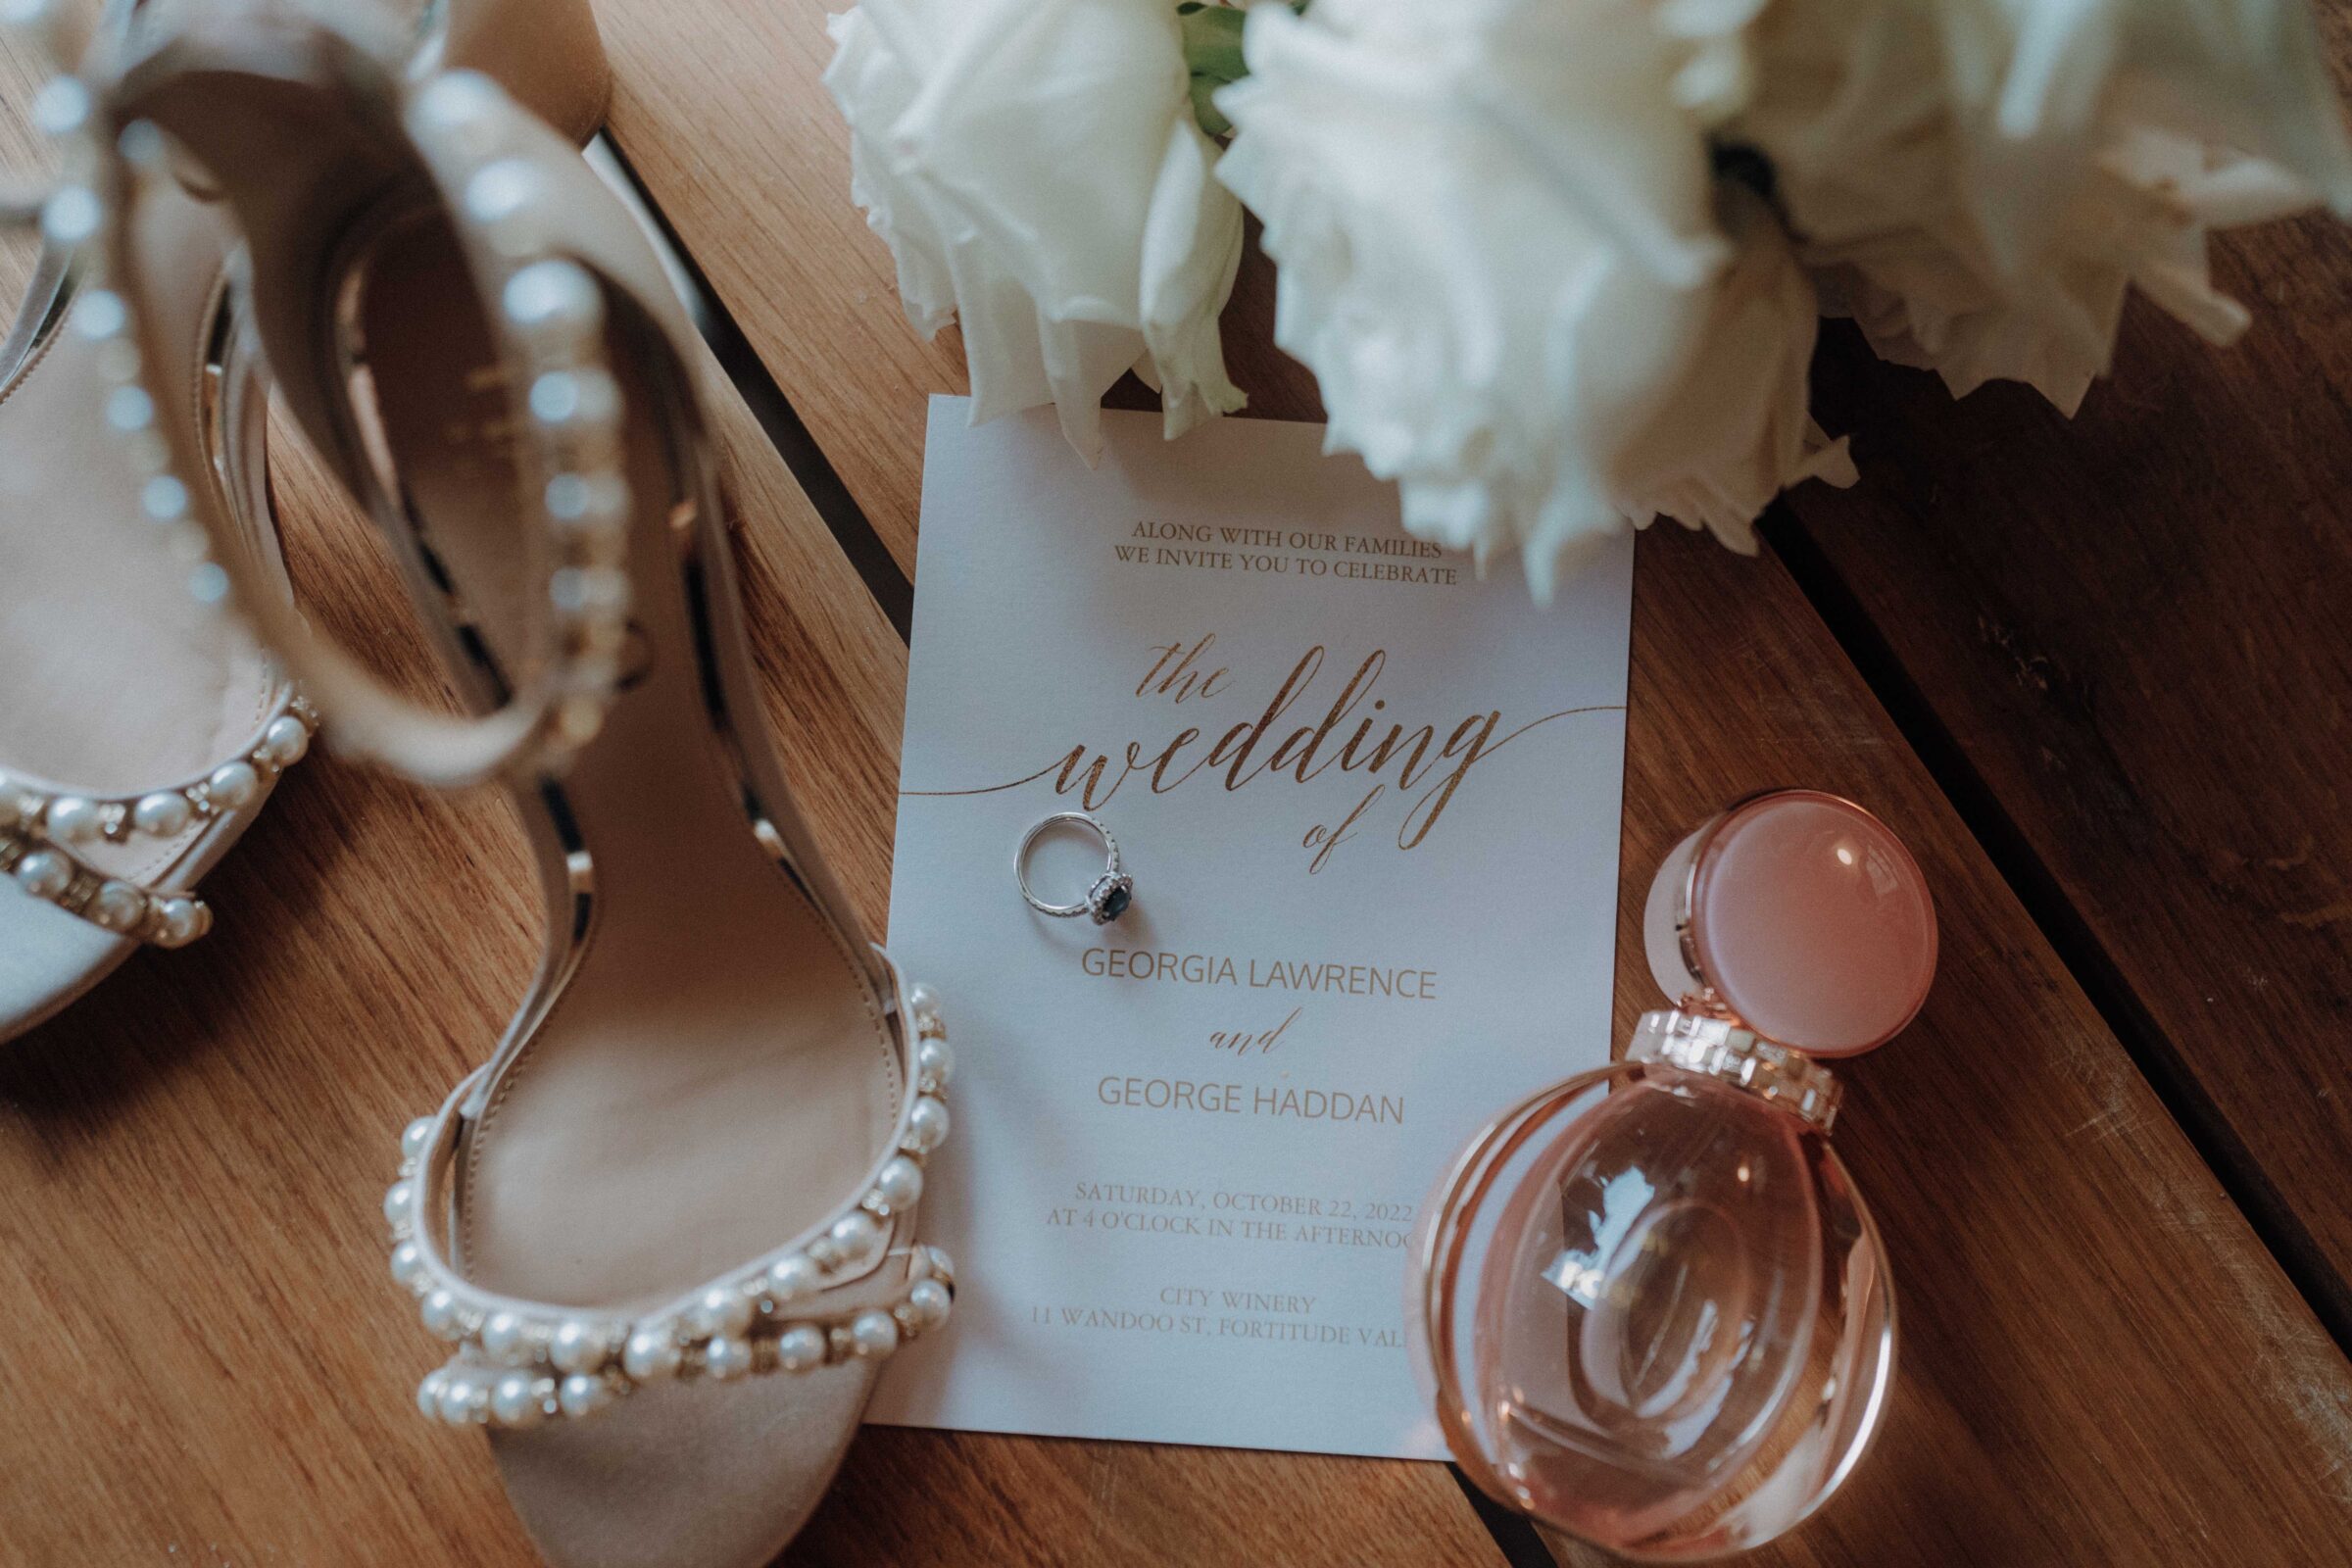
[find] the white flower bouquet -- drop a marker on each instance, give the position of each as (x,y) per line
(1557,264)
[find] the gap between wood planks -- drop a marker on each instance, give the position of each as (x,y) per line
(807,460)
(1513,1535)
(2078,947)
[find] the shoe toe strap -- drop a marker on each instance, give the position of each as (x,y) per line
(161,916)
(46,831)
(853,1287)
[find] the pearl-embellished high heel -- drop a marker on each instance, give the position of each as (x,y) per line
(696,1155)
(144,730)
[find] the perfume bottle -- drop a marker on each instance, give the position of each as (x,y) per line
(1649,1305)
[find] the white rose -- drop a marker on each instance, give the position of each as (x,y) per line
(1495,223)
(1037,172)
(1978,183)
(1734,432)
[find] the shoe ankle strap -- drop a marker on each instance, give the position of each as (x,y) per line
(545,53)
(490,162)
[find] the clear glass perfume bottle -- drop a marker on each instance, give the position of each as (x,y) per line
(1648,1304)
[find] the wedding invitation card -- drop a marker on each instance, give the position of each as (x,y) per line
(1370,805)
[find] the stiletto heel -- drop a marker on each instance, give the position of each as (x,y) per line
(698,1154)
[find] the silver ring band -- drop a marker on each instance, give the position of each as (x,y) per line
(1112,893)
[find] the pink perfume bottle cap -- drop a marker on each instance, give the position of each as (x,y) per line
(1803,915)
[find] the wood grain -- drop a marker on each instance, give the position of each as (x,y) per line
(2092,1334)
(2133,629)
(2130,630)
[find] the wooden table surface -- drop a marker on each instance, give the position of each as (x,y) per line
(2096,673)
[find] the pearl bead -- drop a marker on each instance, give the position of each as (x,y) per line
(44,873)
(513,1402)
(439,1313)
(567,401)
(181,921)
(31,16)
(464,1398)
(928,1303)
(722,1310)
(498,192)
(455,109)
(164,499)
(855,1236)
(233,785)
(650,1353)
(141,145)
(935,1061)
(415,1137)
(800,1347)
(399,1200)
(502,197)
(99,314)
(577,590)
(429,1393)
(555,303)
(72,215)
(900,1180)
(727,1358)
(209,584)
(507,1339)
(162,814)
(129,409)
(408,1263)
(795,1277)
(61,106)
(922,999)
(117,906)
(875,1332)
(285,740)
(582,1395)
(928,1123)
(73,820)
(577,1347)
(587,502)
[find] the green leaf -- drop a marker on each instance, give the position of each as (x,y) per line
(1213,124)
(1212,44)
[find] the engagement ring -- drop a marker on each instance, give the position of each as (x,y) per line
(1111,895)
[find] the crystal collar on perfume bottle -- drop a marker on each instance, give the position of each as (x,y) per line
(1722,1048)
